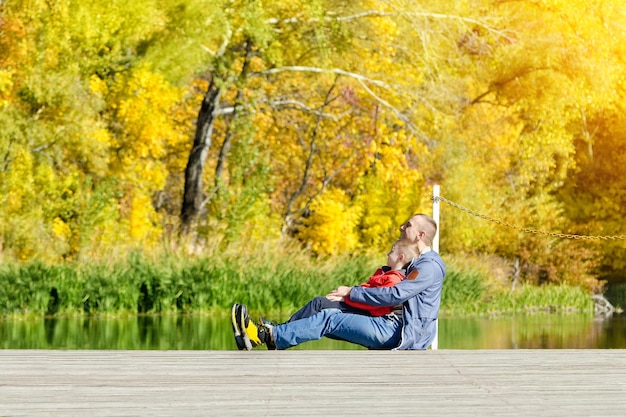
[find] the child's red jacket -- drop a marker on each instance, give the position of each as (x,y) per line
(383,277)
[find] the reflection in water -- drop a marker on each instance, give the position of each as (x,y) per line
(214,333)
(533,332)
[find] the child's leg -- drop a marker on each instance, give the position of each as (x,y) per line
(320,303)
(313,307)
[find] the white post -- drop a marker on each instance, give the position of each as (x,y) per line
(435,343)
(436,216)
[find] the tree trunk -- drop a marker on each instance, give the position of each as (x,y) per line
(192,197)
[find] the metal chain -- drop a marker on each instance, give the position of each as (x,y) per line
(525,229)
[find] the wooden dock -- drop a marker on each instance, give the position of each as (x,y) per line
(560,383)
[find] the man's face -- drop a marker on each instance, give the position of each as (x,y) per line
(410,229)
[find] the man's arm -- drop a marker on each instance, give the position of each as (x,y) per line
(387,280)
(342,293)
(404,290)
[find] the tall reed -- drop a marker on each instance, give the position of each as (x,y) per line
(466,294)
(171,284)
(270,282)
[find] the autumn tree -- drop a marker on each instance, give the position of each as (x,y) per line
(322,121)
(533,82)
(89,125)
(326,120)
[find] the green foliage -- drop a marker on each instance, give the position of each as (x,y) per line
(467,293)
(463,290)
(269,282)
(243,206)
(530,299)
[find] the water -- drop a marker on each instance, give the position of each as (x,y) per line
(534,332)
(214,333)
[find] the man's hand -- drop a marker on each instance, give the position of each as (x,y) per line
(339,294)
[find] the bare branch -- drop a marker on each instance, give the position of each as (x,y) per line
(278,104)
(223,46)
(410,15)
(367,13)
(313,150)
(362,80)
(322,71)
(414,129)
(465,20)
(330,17)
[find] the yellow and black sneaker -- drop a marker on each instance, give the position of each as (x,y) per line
(268,326)
(234,314)
(253,335)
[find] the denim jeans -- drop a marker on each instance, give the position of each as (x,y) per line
(371,332)
(318,304)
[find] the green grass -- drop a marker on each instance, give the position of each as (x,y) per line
(529,299)
(272,282)
(170,284)
(466,294)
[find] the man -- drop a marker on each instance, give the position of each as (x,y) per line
(413,326)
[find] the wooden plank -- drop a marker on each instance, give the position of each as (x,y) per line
(304,383)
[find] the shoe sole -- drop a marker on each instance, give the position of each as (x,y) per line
(241,319)
(241,345)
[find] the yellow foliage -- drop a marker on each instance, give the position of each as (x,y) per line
(331,228)
(61,229)
(390,193)
(144,103)
(143,110)
(6,83)
(143,220)
(98,86)
(501,101)
(18,183)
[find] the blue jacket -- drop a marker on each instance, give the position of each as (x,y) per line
(420,299)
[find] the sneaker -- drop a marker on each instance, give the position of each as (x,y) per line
(268,326)
(253,335)
(234,314)
(266,322)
